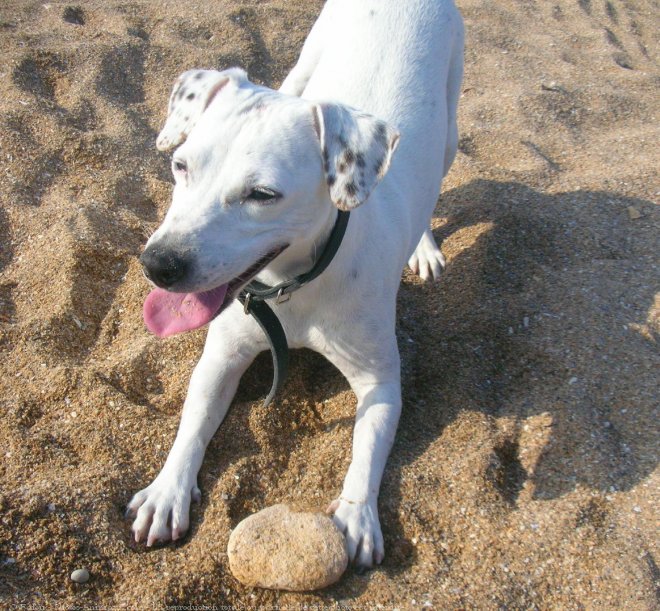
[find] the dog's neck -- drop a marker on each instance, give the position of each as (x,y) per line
(301,256)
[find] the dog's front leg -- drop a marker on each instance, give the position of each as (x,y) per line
(373,372)
(356,510)
(161,510)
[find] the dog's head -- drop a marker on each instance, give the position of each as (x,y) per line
(255,170)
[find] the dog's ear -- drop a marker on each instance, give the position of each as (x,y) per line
(356,150)
(192,93)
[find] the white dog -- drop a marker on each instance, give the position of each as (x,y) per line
(259,177)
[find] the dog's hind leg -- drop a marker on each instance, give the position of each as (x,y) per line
(427,261)
(161,510)
(454,80)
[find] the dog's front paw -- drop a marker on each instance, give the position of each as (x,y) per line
(161,510)
(361,527)
(427,261)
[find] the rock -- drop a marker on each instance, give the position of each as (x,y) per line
(551,86)
(80,576)
(280,549)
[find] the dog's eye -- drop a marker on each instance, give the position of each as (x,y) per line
(263,194)
(179,166)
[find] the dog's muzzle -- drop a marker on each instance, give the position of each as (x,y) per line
(164,267)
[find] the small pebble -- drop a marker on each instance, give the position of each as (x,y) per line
(80,576)
(551,86)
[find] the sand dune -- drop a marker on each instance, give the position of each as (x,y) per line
(525,469)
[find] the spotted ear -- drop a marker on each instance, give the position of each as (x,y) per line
(356,148)
(192,93)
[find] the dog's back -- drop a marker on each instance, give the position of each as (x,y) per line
(402,62)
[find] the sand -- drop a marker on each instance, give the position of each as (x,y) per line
(524,475)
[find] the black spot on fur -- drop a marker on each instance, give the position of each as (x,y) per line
(349,156)
(341,166)
(181,93)
(359,159)
(351,189)
(190,96)
(198,76)
(331,179)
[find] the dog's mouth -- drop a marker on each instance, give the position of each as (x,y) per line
(166,313)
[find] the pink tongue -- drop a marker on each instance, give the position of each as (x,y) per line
(168,313)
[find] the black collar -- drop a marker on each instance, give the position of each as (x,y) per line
(258,291)
(254,296)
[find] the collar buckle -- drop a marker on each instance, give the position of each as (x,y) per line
(246,302)
(282,297)
(262,292)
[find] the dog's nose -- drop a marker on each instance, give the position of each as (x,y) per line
(163,267)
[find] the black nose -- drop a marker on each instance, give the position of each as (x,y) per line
(163,267)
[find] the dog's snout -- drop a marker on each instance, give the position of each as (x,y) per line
(164,267)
